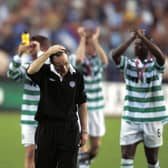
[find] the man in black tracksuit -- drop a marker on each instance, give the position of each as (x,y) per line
(61,96)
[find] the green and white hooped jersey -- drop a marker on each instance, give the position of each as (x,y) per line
(144,100)
(31,91)
(93,83)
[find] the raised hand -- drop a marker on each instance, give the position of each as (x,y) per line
(133,32)
(140,32)
(81,32)
(55,49)
(96,35)
(23,48)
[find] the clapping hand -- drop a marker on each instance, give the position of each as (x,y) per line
(81,32)
(96,35)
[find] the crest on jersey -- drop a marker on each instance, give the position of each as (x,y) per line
(72,84)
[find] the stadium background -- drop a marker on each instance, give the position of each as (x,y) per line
(58,20)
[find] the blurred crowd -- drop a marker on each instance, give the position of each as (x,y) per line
(59,20)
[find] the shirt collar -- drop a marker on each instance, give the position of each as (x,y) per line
(39,53)
(71,69)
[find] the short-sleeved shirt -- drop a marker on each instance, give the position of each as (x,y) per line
(144,99)
(31,91)
(92,69)
(59,98)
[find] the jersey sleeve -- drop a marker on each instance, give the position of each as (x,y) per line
(17,70)
(122,63)
(160,68)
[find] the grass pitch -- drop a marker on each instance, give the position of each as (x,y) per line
(12,152)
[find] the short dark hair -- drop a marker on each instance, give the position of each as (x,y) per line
(44,41)
(57,54)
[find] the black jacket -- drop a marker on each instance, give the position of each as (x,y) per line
(59,100)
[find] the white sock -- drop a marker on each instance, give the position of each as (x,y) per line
(83,160)
(154,166)
(127,163)
(84,166)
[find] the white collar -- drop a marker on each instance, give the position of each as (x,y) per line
(71,70)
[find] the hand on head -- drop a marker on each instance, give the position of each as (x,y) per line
(55,49)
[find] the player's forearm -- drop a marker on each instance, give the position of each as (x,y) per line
(118,52)
(160,57)
(38,63)
(83,117)
(80,52)
(100,52)
(154,49)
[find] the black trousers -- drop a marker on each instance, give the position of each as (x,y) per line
(57,144)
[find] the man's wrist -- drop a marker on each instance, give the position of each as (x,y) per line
(84,131)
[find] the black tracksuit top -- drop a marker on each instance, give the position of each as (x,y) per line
(59,100)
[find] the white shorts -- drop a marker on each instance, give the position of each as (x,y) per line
(96,124)
(28,134)
(150,133)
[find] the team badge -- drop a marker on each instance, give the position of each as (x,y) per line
(72,84)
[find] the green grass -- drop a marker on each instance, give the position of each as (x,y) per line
(12,152)
(109,156)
